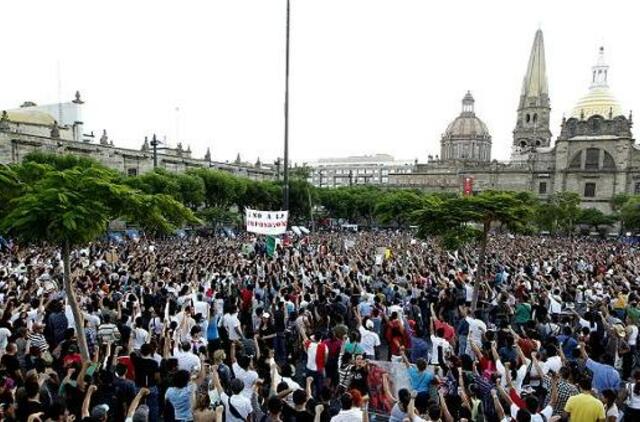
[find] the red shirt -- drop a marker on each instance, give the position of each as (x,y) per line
(247,297)
(449,331)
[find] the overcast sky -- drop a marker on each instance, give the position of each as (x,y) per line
(367,76)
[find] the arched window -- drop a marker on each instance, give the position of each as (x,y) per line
(538,143)
(607,162)
(576,162)
(535,118)
(523,144)
(592,160)
(528,118)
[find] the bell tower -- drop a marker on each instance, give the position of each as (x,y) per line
(532,124)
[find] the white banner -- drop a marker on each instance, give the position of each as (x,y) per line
(266,222)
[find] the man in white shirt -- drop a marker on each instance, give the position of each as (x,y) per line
(369,340)
(237,406)
(477,328)
(187,360)
(243,371)
(231,323)
(348,413)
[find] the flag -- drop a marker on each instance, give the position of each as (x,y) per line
(272,245)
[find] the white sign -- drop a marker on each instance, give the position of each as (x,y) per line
(266,222)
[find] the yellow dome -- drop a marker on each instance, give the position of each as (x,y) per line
(30,117)
(599,101)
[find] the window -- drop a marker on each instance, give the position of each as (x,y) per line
(385,172)
(607,162)
(576,163)
(132,172)
(528,118)
(592,162)
(589,190)
(385,180)
(542,188)
(636,189)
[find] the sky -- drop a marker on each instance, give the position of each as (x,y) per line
(366,76)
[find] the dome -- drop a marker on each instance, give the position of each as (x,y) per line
(467,127)
(30,117)
(467,124)
(599,101)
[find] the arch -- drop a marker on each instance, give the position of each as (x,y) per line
(535,118)
(523,143)
(527,118)
(538,143)
(608,163)
(576,161)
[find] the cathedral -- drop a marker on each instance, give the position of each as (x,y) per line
(594,155)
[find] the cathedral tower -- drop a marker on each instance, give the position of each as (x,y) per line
(532,126)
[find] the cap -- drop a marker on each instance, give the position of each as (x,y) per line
(369,324)
(266,315)
(100,411)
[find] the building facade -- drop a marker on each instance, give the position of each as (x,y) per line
(58,128)
(357,170)
(595,154)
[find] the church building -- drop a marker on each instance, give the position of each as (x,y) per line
(594,155)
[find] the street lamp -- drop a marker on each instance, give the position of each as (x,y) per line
(155,144)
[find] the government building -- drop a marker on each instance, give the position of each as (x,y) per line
(594,155)
(59,129)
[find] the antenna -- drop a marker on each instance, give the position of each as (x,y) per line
(177,110)
(59,76)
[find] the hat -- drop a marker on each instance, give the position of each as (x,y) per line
(369,324)
(620,331)
(100,411)
(141,414)
(266,315)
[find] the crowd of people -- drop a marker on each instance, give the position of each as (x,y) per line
(326,329)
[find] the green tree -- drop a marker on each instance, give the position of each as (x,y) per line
(398,207)
(630,214)
(460,220)
(73,206)
(566,206)
(594,218)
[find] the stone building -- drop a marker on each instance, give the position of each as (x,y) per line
(356,170)
(467,137)
(58,128)
(594,155)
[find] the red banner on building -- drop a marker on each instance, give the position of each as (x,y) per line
(467,186)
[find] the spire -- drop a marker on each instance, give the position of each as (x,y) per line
(207,155)
(532,126)
(599,71)
(535,80)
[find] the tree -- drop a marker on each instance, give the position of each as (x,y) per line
(566,206)
(630,214)
(595,218)
(398,207)
(463,219)
(73,206)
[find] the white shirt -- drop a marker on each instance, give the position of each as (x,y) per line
(5,333)
(240,403)
(201,308)
(187,360)
(369,341)
(477,328)
(547,412)
(140,337)
(439,342)
(633,334)
(554,363)
(555,303)
(230,322)
(248,377)
(352,415)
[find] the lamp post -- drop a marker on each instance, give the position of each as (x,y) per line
(285,190)
(155,143)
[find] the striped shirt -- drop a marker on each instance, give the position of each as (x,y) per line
(38,340)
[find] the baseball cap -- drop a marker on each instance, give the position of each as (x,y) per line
(100,411)
(141,414)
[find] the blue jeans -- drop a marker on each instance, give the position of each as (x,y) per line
(462,345)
